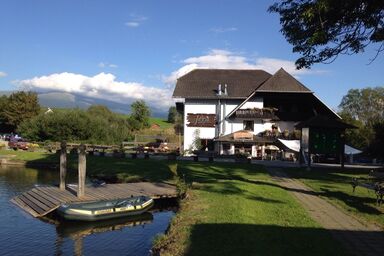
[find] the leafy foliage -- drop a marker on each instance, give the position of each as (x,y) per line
(96,125)
(320,30)
(19,106)
(364,108)
(365,105)
(376,147)
(172,113)
(139,117)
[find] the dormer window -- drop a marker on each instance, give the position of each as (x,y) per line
(248,125)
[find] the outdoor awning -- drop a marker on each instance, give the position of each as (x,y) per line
(351,151)
(294,145)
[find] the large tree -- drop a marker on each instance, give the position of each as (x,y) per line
(172,113)
(365,105)
(140,114)
(364,108)
(320,30)
(20,106)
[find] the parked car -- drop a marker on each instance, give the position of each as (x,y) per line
(18,144)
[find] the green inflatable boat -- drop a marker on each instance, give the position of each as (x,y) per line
(102,210)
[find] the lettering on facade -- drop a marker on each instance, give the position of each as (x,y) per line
(201,120)
(242,135)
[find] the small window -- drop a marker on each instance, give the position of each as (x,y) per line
(248,125)
(226,146)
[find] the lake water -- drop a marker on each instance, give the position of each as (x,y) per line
(22,234)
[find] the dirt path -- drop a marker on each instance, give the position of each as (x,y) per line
(359,238)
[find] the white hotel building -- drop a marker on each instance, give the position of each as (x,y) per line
(243,111)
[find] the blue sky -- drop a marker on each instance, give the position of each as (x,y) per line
(127,50)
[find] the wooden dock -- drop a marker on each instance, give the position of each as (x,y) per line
(42,200)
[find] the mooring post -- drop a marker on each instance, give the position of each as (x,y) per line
(82,170)
(63,164)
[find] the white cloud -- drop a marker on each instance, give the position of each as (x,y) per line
(106,64)
(224,59)
(3,74)
(100,86)
(135,20)
(223,30)
(132,24)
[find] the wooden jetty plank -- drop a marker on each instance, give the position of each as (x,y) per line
(151,189)
(63,195)
(41,199)
(130,190)
(98,193)
(141,189)
(31,204)
(41,205)
(90,194)
(48,196)
(24,206)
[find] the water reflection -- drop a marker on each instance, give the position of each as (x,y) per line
(76,231)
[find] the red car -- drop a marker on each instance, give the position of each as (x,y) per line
(18,144)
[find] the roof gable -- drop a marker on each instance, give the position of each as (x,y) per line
(203,83)
(281,81)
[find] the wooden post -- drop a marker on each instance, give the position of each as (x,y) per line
(342,149)
(63,164)
(82,171)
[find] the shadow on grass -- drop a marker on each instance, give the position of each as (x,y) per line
(248,239)
(329,180)
(362,204)
(112,169)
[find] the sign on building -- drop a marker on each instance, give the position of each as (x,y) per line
(201,120)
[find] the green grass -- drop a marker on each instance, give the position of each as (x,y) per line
(231,209)
(161,122)
(30,156)
(235,209)
(335,186)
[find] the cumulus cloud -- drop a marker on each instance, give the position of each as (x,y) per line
(224,59)
(3,74)
(100,86)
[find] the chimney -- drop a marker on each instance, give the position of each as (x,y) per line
(219,90)
(225,90)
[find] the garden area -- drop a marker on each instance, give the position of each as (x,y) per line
(335,185)
(229,209)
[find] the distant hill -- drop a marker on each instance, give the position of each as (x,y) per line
(68,100)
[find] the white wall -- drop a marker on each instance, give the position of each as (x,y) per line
(198,107)
(255,102)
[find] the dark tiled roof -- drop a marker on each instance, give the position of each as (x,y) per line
(203,83)
(281,81)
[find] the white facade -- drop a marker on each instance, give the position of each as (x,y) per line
(227,126)
(198,107)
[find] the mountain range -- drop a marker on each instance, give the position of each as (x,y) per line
(68,100)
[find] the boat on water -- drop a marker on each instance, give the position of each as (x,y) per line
(101,210)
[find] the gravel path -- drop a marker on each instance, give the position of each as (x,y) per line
(359,238)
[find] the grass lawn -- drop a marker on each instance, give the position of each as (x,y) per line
(231,208)
(335,186)
(163,123)
(235,209)
(30,156)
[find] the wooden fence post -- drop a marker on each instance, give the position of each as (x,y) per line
(82,171)
(63,164)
